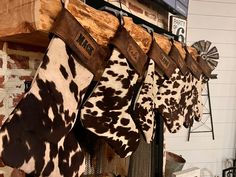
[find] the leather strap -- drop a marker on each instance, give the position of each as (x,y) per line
(175,55)
(193,66)
(85,49)
(206,69)
(130,49)
(162,60)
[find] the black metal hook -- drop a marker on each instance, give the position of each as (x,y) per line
(148,29)
(118,13)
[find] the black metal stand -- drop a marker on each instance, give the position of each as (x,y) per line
(231,171)
(157,160)
(207,113)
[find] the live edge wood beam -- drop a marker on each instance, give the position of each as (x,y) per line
(29,21)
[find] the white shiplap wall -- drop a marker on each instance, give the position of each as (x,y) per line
(213,20)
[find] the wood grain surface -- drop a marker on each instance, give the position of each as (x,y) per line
(193,52)
(163,42)
(27,16)
(102,25)
(180,48)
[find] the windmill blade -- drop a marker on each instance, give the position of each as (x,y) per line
(212,51)
(207,53)
(211,66)
(214,56)
(196,45)
(213,62)
(202,45)
(207,46)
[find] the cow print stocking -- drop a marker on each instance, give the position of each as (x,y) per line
(107,112)
(144,110)
(174,99)
(189,97)
(45,116)
(64,159)
(199,106)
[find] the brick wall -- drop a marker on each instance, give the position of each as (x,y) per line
(153,14)
(18,63)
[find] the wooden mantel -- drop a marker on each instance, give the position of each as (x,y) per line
(31,21)
(27,21)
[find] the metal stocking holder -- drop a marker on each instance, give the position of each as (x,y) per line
(103,5)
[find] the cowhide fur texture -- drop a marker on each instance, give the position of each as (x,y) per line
(179,99)
(200,85)
(196,109)
(107,111)
(37,136)
(144,106)
(168,100)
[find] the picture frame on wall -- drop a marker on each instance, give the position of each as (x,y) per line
(178,26)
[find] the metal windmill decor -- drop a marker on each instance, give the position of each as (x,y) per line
(211,56)
(208,53)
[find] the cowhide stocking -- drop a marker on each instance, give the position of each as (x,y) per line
(163,62)
(144,107)
(177,97)
(171,99)
(194,107)
(44,117)
(107,111)
(174,96)
(190,110)
(199,106)
(64,159)
(162,65)
(200,85)
(189,97)
(37,137)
